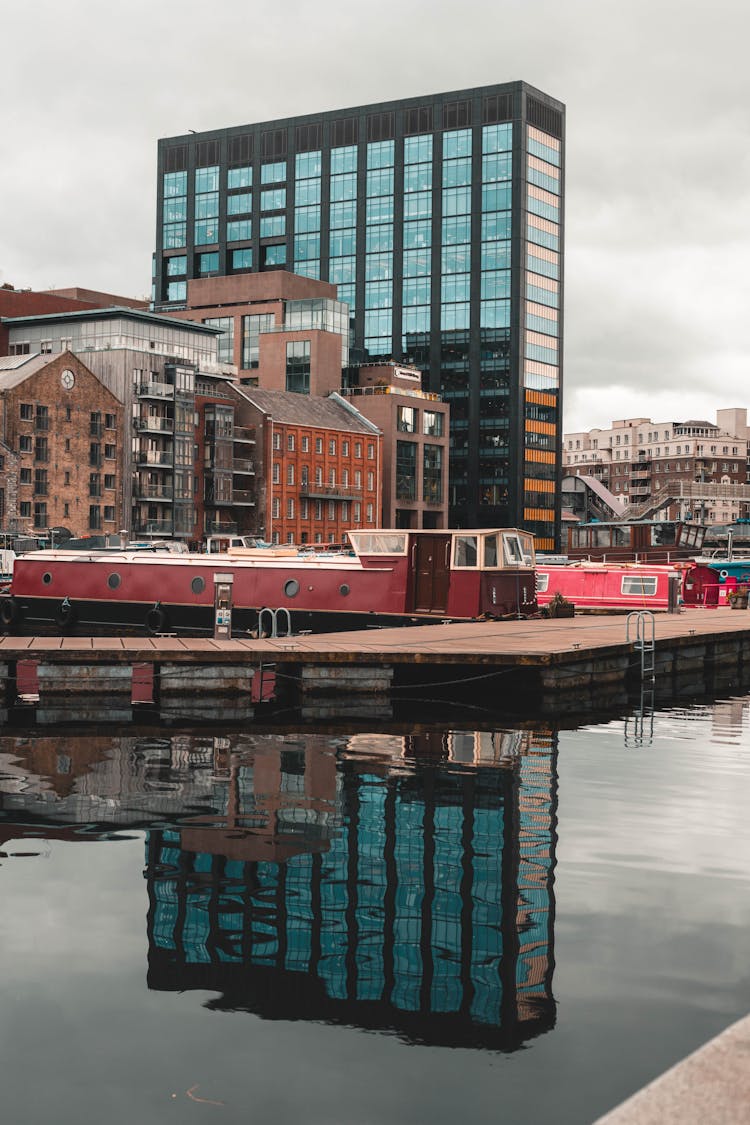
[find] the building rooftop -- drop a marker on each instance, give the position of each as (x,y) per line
(307,410)
(15,369)
(114,312)
(352,111)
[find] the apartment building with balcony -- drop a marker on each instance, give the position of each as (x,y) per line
(320,466)
(641,461)
(61,432)
(225,462)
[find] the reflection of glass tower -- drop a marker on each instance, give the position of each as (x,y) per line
(430,912)
(441,221)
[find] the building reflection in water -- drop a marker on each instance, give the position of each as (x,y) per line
(393,882)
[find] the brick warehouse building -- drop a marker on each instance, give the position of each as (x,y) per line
(321,466)
(441,221)
(62,429)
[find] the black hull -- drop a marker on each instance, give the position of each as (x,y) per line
(34,615)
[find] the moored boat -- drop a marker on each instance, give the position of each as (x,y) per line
(611,587)
(391,577)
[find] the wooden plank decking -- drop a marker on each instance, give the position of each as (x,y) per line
(522,643)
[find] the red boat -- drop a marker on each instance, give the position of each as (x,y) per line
(609,587)
(389,577)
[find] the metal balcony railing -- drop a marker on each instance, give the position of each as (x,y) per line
(161,458)
(154,527)
(242,465)
(156,390)
(244,434)
(242,496)
(152,491)
(218,527)
(329,492)
(155,424)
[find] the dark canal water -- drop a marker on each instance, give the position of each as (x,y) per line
(419,925)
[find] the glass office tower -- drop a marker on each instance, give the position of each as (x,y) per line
(440,219)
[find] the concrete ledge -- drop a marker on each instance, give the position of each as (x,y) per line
(709,1087)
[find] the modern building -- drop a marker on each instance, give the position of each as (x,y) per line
(59,464)
(415,425)
(281,331)
(691,468)
(440,221)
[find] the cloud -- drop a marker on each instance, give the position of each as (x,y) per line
(658,116)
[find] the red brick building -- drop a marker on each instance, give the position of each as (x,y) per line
(274,324)
(62,431)
(320,465)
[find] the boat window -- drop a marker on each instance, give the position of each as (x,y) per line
(490,551)
(643,585)
(465,550)
(542,583)
(114,580)
(663,535)
(513,552)
(197,585)
(378,542)
(291,588)
(527,548)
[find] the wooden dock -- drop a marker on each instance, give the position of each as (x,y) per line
(547,658)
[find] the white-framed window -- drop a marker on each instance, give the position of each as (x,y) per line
(643,585)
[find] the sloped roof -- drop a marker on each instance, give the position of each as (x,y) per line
(307,410)
(15,369)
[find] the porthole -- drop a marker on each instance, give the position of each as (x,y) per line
(114,581)
(46,578)
(197,585)
(291,588)
(343,589)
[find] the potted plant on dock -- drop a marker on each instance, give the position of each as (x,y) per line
(559,606)
(738,597)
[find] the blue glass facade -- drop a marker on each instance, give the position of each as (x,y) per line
(413,897)
(441,222)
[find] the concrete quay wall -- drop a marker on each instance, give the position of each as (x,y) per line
(709,1087)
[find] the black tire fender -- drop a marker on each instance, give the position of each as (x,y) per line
(65,614)
(156,620)
(9,611)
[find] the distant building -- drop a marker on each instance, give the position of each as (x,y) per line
(59,463)
(647,465)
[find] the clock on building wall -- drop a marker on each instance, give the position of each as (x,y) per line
(68,379)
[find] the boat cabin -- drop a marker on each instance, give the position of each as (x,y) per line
(636,540)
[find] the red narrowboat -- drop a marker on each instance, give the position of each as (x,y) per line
(611,587)
(388,577)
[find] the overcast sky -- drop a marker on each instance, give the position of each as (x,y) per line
(658,159)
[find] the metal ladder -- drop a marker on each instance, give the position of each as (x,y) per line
(640,631)
(275,615)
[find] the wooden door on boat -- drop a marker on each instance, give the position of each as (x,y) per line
(432,557)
